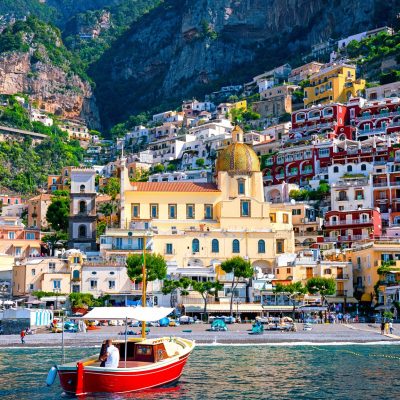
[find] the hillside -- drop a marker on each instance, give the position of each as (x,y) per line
(184,48)
(92,32)
(34,61)
(24,167)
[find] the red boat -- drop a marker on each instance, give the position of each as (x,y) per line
(146,363)
(149,363)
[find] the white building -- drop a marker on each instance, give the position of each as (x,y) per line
(192,176)
(38,116)
(352,194)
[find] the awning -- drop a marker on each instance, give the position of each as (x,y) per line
(331,300)
(313,308)
(278,308)
(224,308)
(137,313)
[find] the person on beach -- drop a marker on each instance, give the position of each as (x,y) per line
(391,327)
(382,327)
(22,335)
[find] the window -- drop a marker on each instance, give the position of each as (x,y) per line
(235,246)
(324,153)
(285,218)
(18,251)
(336,169)
(11,235)
(136,210)
(76,260)
(31,286)
(328,271)
(82,231)
(261,246)
(30,236)
(245,208)
(82,188)
(241,186)
(33,270)
(208,211)
(93,284)
(57,284)
(272,217)
(280,246)
(190,211)
(195,245)
(52,266)
(111,285)
(172,211)
(215,246)
(154,210)
(82,206)
(169,248)
(363,167)
(349,168)
(75,275)
(288,270)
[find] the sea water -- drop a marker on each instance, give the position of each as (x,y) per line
(232,372)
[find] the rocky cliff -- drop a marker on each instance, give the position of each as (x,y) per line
(187,47)
(51,88)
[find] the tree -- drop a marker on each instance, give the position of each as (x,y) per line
(206,289)
(323,286)
(200,162)
(53,238)
(240,269)
(158,168)
(156,267)
(108,209)
(171,286)
(293,291)
(58,212)
(112,188)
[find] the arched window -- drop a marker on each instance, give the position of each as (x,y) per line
(215,246)
(335,169)
(363,167)
(235,246)
(261,246)
(82,231)
(195,245)
(82,188)
(75,275)
(349,168)
(82,206)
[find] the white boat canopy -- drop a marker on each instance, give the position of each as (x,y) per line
(147,314)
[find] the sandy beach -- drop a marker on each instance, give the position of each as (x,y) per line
(236,334)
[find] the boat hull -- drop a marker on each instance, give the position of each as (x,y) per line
(122,380)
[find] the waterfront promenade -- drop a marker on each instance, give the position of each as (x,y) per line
(236,334)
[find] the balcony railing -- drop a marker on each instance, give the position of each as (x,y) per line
(341,293)
(342,277)
(342,198)
(349,222)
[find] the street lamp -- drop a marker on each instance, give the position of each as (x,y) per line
(237,301)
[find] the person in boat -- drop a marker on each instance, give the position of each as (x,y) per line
(112,354)
(103,354)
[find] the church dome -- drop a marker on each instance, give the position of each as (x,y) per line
(237,157)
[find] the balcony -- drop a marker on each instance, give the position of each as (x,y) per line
(349,222)
(307,171)
(341,293)
(345,198)
(370,131)
(293,173)
(342,277)
(280,176)
(267,178)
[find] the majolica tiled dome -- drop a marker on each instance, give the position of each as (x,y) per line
(237,157)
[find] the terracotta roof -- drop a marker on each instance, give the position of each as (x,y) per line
(174,187)
(42,197)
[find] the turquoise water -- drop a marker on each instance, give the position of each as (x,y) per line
(236,372)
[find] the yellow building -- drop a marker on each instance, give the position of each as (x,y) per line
(366,260)
(196,226)
(48,274)
(333,83)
